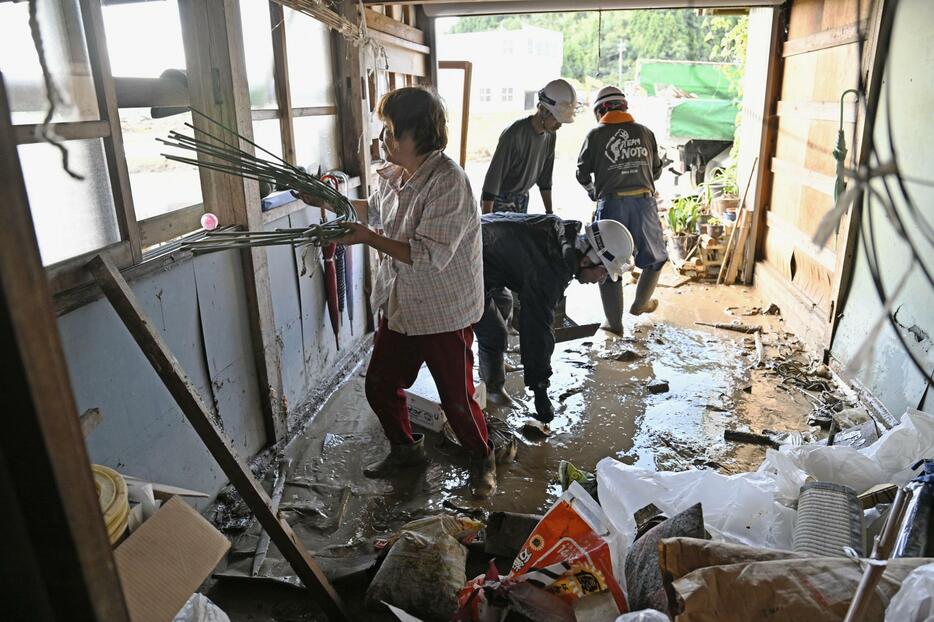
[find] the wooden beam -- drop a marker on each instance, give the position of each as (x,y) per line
(379,22)
(797,174)
(57,559)
(824,39)
(314,111)
(768,140)
(818,111)
(431,40)
(99,59)
(350,90)
(873,67)
(467,68)
(280,57)
(69,274)
(217,83)
(150,341)
(165,227)
(399,42)
(77,130)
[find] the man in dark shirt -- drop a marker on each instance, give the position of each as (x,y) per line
(536,256)
(618,166)
(525,153)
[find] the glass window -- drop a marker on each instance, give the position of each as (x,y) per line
(267,134)
(316,142)
(507,46)
(507,94)
(158,185)
(144,38)
(308,44)
(70,217)
(66,56)
(257,45)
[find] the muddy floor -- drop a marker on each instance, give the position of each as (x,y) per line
(600,388)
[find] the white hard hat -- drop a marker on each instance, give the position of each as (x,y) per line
(608,94)
(610,243)
(560,99)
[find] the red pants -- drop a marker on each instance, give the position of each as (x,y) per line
(394,367)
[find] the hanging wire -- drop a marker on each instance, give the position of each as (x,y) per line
(43,130)
(867,195)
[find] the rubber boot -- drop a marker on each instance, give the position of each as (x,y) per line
(483,474)
(400,457)
(493,373)
(611,294)
(544,409)
(644,303)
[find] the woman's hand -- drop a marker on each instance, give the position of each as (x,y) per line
(357,233)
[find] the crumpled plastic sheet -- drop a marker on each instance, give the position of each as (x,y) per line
(200,608)
(753,508)
(888,460)
(646,615)
(914,601)
(737,508)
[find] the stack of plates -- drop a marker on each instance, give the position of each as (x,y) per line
(115,505)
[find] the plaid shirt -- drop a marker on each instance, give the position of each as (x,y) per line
(435,212)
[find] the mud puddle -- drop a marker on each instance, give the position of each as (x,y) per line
(604,408)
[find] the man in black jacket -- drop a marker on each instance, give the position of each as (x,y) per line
(536,256)
(618,166)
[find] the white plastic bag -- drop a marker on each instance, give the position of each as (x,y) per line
(737,508)
(914,601)
(646,615)
(200,608)
(888,460)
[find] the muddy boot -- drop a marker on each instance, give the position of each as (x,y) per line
(483,474)
(544,409)
(611,294)
(644,303)
(400,457)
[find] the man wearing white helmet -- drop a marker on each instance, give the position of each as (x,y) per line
(618,166)
(525,153)
(536,256)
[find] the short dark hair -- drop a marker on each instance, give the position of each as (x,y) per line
(417,110)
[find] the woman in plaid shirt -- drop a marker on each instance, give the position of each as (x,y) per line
(429,285)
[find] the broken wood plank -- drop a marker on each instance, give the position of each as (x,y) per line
(734,326)
(575,332)
(751,438)
(150,341)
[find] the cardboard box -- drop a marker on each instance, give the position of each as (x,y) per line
(425,404)
(164,561)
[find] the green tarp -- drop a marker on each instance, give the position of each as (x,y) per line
(710,112)
(710,119)
(706,80)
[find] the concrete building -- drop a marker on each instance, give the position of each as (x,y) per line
(509,67)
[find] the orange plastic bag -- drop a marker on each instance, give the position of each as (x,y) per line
(576,536)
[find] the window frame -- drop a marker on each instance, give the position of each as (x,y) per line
(140,240)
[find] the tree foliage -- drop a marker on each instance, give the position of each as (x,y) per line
(594,41)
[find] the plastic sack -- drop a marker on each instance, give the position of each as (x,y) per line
(576,533)
(646,615)
(914,601)
(570,553)
(424,569)
(888,460)
(200,608)
(737,508)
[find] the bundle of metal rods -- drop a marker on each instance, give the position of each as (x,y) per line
(216,154)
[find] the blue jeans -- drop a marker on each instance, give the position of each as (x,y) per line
(640,216)
(511,202)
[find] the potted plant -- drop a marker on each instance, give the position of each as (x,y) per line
(682,220)
(727,199)
(713,227)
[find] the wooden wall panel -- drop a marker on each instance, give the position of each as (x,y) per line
(821,61)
